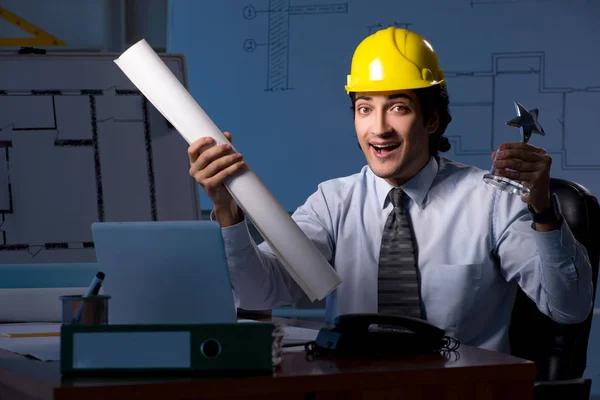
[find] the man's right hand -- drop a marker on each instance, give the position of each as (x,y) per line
(210,166)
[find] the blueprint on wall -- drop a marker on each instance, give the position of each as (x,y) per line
(273,72)
(80,144)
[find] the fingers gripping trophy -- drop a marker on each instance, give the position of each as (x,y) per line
(527,122)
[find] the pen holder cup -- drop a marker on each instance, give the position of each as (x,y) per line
(92,310)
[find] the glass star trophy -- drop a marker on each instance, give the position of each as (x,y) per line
(527,123)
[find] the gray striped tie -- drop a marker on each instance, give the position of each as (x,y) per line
(398,281)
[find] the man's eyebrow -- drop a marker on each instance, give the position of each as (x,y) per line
(399,96)
(390,97)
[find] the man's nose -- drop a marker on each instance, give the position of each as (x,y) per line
(381,125)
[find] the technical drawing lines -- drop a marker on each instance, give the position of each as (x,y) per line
(249,12)
(378,26)
(113,119)
(279,39)
(127,92)
(278,36)
(341,8)
(503,64)
(2,232)
(497,2)
(35,249)
(6,192)
(456,141)
(566,166)
(149,159)
(6,199)
(51,93)
(148,143)
(61,92)
(97,166)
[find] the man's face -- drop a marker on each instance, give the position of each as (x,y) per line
(391,133)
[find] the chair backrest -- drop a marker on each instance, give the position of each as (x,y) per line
(560,351)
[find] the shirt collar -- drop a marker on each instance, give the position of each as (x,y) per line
(416,188)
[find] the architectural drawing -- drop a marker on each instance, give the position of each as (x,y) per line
(377,26)
(278,37)
(486,91)
(498,2)
(72,157)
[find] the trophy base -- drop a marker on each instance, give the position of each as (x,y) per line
(505,184)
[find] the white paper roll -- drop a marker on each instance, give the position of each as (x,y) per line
(304,262)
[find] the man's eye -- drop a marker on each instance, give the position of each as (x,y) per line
(363,110)
(400,108)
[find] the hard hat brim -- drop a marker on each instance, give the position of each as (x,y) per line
(384,86)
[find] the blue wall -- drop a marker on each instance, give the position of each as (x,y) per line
(276,81)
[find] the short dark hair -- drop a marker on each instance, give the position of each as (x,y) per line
(431,99)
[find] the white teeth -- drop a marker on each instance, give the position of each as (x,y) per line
(384,147)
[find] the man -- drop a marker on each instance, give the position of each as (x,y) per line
(414,233)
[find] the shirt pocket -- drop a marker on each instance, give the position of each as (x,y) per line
(450,293)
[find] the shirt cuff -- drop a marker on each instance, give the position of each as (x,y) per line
(236,237)
(557,245)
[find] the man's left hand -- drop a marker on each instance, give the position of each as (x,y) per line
(531,166)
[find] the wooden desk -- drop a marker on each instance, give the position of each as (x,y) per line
(475,374)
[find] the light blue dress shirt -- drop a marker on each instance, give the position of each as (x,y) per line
(475,245)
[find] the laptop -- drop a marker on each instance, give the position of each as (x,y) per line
(164,272)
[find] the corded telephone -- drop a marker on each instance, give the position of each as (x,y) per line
(370,334)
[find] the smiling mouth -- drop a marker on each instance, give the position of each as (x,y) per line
(386,148)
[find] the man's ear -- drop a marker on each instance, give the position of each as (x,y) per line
(434,122)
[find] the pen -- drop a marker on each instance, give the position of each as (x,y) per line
(95,285)
(93,290)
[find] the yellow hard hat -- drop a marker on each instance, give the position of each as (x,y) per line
(393,59)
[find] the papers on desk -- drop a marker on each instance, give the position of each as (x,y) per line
(42,348)
(295,336)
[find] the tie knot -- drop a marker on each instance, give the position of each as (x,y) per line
(396,197)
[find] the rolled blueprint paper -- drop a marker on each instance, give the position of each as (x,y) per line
(304,262)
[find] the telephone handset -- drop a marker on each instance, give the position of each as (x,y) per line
(371,334)
(365,321)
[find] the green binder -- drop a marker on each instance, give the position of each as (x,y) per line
(248,347)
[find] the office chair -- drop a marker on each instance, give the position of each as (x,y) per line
(560,351)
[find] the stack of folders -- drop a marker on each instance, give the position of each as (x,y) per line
(252,347)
